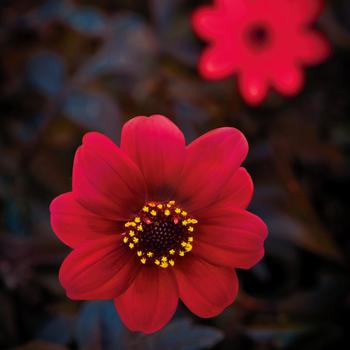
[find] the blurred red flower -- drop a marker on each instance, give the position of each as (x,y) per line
(156,220)
(265,42)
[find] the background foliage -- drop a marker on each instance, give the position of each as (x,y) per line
(67,67)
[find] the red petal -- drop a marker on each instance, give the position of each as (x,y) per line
(73,224)
(230,237)
(253,87)
(218,62)
(305,11)
(150,302)
(105,180)
(157,146)
(312,48)
(288,80)
(204,288)
(211,161)
(98,269)
(207,22)
(237,192)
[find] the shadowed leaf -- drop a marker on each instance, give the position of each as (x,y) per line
(184,335)
(46,73)
(93,111)
(99,327)
(58,330)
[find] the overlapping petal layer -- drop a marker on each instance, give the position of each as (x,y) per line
(105,180)
(98,269)
(74,224)
(111,185)
(211,160)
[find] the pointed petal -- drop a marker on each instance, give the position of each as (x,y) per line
(150,302)
(157,146)
(105,180)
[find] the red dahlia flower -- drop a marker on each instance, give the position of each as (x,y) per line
(156,220)
(265,42)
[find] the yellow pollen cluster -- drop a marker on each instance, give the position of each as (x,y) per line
(164,213)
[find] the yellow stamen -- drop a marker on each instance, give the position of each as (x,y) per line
(156,213)
(188,247)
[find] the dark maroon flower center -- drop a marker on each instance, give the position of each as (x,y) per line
(159,233)
(258,36)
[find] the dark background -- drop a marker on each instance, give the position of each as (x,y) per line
(68,67)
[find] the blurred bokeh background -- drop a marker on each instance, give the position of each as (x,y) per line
(67,67)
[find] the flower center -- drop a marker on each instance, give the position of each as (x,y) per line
(160,233)
(258,36)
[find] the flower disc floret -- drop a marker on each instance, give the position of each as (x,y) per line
(160,233)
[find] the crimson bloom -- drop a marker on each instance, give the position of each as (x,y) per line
(155,220)
(265,42)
